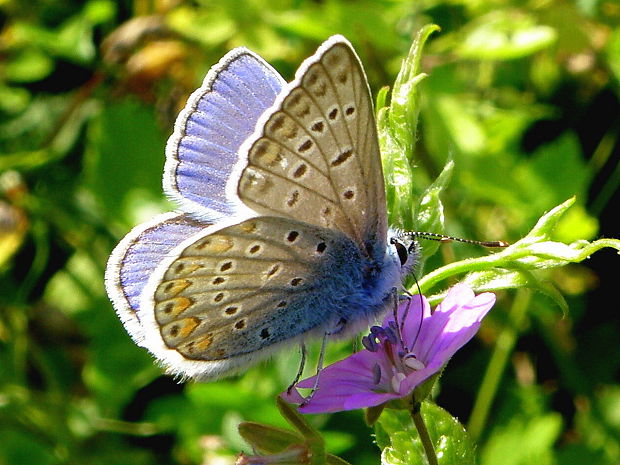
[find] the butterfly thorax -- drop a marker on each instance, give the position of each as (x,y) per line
(366,296)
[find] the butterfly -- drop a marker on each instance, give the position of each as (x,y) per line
(281,231)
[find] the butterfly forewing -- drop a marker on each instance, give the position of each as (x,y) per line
(247,286)
(316,157)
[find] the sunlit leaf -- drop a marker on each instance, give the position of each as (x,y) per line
(400,444)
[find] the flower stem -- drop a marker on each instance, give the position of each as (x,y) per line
(497,365)
(424,436)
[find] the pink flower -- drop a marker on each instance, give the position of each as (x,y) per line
(393,364)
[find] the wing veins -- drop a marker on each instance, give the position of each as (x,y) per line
(279,213)
(307,160)
(240,82)
(355,145)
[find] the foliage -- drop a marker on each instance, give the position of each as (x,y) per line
(514,111)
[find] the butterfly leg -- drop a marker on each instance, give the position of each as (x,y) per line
(409,296)
(319,368)
(396,299)
(302,364)
(399,325)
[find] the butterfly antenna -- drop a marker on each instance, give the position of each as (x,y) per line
(443,238)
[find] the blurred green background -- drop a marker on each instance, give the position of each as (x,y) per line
(524,96)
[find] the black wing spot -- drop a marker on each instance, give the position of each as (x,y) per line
(292,200)
(344,156)
(273,270)
(231,310)
(292,236)
(300,171)
(318,126)
(307,145)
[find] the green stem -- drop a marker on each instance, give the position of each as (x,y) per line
(427,443)
(460,267)
(499,359)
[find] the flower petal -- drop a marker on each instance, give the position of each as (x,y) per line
(456,296)
(368,400)
(418,377)
(462,325)
(323,402)
(353,376)
(368,378)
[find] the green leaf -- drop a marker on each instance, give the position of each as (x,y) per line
(125,159)
(397,126)
(504,279)
(613,53)
(505,35)
(21,448)
(73,39)
(400,443)
(554,172)
(268,439)
(523,441)
(429,213)
(30,65)
(515,266)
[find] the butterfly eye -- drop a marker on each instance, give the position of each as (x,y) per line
(401,250)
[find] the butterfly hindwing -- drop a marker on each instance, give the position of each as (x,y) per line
(216,120)
(235,293)
(135,258)
(315,154)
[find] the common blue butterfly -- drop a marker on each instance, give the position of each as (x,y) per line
(281,233)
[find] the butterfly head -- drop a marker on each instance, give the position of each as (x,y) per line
(407,250)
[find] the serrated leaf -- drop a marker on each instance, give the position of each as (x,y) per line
(397,125)
(401,445)
(548,221)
